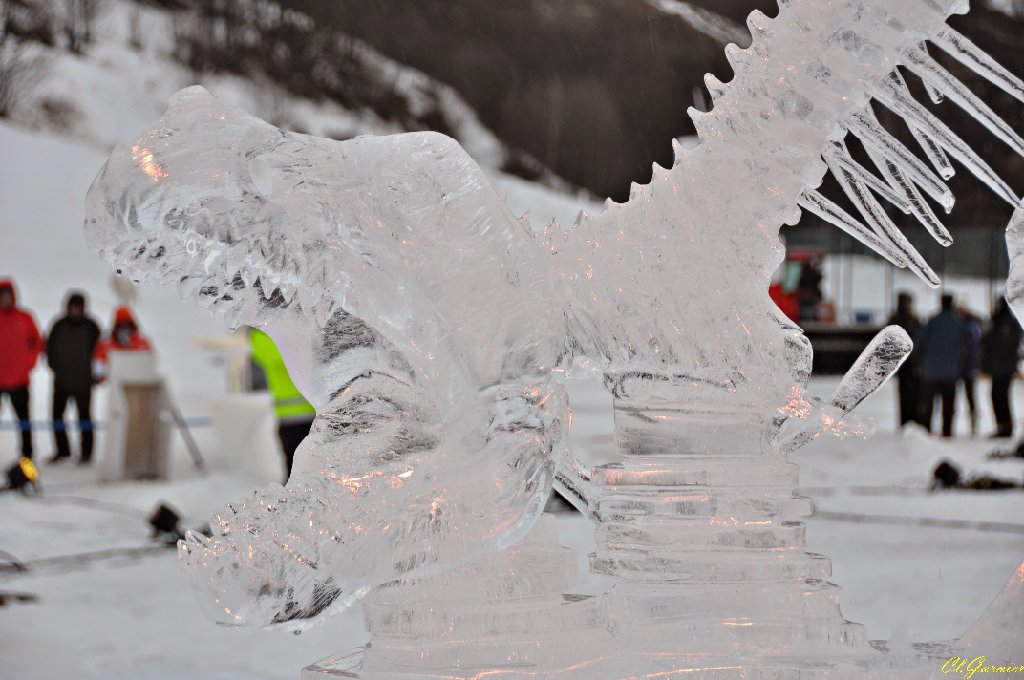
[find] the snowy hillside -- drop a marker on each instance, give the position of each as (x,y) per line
(119,82)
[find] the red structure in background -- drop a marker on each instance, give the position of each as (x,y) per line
(797,289)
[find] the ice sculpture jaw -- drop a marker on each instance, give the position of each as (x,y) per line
(292,555)
(343,251)
(394,204)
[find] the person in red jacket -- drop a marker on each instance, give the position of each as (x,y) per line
(20,346)
(124,337)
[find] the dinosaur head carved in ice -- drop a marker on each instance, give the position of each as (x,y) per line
(389,271)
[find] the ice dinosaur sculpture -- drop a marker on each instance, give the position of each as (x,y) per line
(424,323)
(428,447)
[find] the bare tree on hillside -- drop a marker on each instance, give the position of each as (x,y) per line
(19,67)
(80,23)
(135,27)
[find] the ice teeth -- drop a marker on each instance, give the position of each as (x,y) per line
(189,285)
(232,315)
(196,538)
(207,296)
(324,310)
(307,297)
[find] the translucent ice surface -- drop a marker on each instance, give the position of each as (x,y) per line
(1015,247)
(395,280)
(427,326)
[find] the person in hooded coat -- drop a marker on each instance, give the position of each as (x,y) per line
(70,347)
(943,345)
(908,377)
(1001,353)
(124,337)
(20,346)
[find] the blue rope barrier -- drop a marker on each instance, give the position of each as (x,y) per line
(72,425)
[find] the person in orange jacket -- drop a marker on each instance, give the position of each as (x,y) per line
(124,337)
(20,346)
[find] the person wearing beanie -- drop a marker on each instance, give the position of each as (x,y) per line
(20,346)
(70,347)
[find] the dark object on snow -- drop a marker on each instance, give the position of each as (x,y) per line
(1016,452)
(13,563)
(988,483)
(947,476)
(7,597)
(165,523)
(23,476)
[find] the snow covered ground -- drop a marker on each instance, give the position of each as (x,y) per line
(130,614)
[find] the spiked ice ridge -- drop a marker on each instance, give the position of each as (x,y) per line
(700,241)
(1015,247)
(424,322)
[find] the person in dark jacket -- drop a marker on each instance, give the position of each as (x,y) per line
(1001,353)
(942,346)
(20,345)
(972,363)
(70,348)
(908,376)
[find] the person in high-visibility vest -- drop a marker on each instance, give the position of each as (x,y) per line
(294,414)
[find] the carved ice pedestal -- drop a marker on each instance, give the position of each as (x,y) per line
(487,616)
(700,525)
